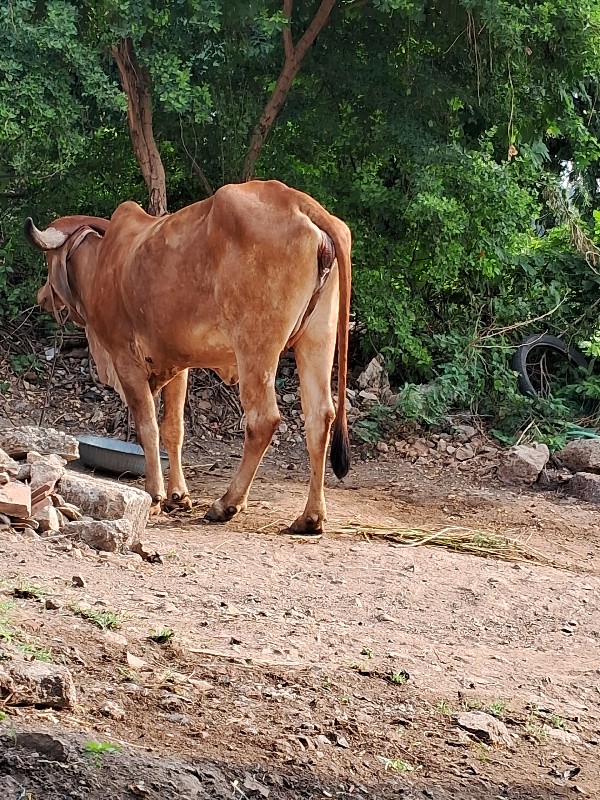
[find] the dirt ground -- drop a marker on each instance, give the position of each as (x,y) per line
(311,670)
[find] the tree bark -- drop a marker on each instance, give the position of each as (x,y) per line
(135,82)
(294,55)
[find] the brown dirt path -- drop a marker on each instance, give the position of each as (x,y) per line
(279,673)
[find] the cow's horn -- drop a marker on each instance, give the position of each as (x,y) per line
(49,239)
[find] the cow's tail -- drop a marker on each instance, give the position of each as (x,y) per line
(340,234)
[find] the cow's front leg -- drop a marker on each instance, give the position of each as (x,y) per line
(257,393)
(171,433)
(141,404)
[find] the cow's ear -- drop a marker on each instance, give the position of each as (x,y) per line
(59,281)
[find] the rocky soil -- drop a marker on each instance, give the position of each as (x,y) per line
(231,662)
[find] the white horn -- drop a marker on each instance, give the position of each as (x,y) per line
(49,239)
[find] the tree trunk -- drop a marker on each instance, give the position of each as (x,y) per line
(135,82)
(294,55)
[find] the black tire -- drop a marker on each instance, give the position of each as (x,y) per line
(542,341)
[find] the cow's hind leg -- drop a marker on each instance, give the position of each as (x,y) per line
(314,353)
(141,404)
(171,433)
(257,393)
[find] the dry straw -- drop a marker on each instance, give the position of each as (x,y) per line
(458,539)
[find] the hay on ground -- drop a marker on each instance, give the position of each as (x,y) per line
(458,539)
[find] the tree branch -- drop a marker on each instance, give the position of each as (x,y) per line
(294,56)
(196,169)
(288,42)
(139,117)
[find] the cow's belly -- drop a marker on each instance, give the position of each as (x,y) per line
(199,348)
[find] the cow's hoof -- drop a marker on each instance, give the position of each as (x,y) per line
(309,527)
(220,513)
(177,502)
(156,506)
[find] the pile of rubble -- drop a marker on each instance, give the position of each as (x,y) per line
(582,457)
(39,496)
(576,468)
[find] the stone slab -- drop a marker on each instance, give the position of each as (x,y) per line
(15,500)
(103,499)
(17,442)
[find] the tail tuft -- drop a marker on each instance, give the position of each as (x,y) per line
(340,449)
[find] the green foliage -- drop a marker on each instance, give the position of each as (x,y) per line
(106,620)
(162,636)
(97,750)
(439,131)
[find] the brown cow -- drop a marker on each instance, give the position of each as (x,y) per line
(227,284)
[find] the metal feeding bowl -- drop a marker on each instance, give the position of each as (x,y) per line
(113,455)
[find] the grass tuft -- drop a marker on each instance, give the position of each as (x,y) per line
(162,636)
(103,619)
(28,591)
(396,764)
(445,708)
(97,750)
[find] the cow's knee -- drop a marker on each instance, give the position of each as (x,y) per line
(262,426)
(320,417)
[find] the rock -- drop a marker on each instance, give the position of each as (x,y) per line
(116,639)
(108,536)
(44,478)
(52,460)
(46,441)
(467,430)
(37,683)
(371,377)
(464,453)
(134,662)
(24,472)
(146,553)
(67,510)
(79,581)
(585,486)
(581,455)
(485,727)
(112,710)
(189,786)
(103,499)
(8,464)
(369,397)
(47,517)
(51,604)
(254,786)
(382,447)
(523,463)
(15,500)
(44,744)
(419,448)
(200,685)
(559,735)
